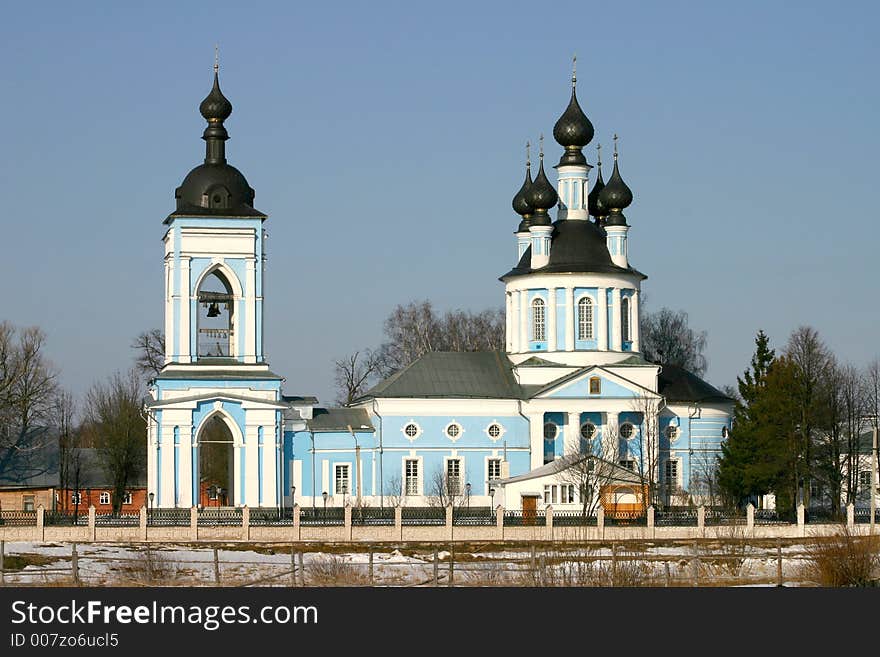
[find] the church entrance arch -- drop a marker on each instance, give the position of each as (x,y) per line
(216,463)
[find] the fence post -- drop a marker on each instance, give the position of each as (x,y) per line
(371,566)
(92,523)
(302,570)
(778,562)
(651,531)
(347,520)
(292,566)
(750,517)
(2,551)
(216,568)
(436,568)
(451,579)
(499,521)
(449,523)
(613,564)
(850,515)
(194,523)
(696,560)
(548,516)
(701,521)
(142,522)
(297,532)
(398,522)
(600,521)
(246,523)
(74,564)
(802,530)
(41,523)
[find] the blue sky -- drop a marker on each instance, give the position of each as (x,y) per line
(385,141)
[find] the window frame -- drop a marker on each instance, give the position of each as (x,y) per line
(632,430)
(28,500)
(595,380)
(104,498)
(585,325)
(459,476)
(417,462)
(346,466)
(539,321)
(411,423)
(555,431)
(625,323)
(458,428)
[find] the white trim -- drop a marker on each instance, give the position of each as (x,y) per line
(418,430)
(462,475)
(420,475)
(458,435)
(500,433)
(347,466)
(577,316)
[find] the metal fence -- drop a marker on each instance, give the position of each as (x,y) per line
(626,519)
(65,519)
(372,516)
(724,517)
(18,518)
(220,517)
(117,520)
(574,519)
(316,516)
(770,517)
(424,516)
(862,514)
(261,517)
(168,517)
(684,518)
(525,519)
(474,516)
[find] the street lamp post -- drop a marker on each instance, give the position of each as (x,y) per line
(292,499)
(467,488)
(324,495)
(151,496)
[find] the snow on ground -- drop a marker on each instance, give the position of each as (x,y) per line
(270,565)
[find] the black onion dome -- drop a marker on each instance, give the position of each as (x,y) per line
(520,204)
(615,198)
(215,107)
(573,131)
(215,188)
(594,206)
(541,196)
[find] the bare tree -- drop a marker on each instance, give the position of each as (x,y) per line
(353,375)
(150,349)
(393,490)
(647,463)
(444,491)
(113,409)
(64,412)
(666,336)
(590,475)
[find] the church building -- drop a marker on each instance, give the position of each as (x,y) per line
(486,428)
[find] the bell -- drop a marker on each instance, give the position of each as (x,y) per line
(213,310)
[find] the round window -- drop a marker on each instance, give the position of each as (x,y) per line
(627,430)
(672,432)
(588,430)
(494,430)
(411,430)
(724,432)
(550,431)
(453,430)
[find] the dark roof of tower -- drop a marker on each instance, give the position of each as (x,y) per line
(520,204)
(541,196)
(677,384)
(615,197)
(215,188)
(576,246)
(573,130)
(595,208)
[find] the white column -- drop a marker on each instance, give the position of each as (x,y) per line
(252,465)
(185,309)
(523,321)
(615,319)
(602,320)
(270,461)
(634,320)
(508,336)
(572,433)
(184,491)
(569,318)
(167,464)
(611,437)
(152,463)
(250,318)
(551,319)
(169,308)
(536,439)
(514,321)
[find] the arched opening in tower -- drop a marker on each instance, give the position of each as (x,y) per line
(216,307)
(216,464)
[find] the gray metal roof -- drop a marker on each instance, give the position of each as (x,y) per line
(340,419)
(677,385)
(610,471)
(32,463)
(473,374)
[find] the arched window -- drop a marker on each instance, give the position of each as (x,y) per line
(538,325)
(585,319)
(624,320)
(215,317)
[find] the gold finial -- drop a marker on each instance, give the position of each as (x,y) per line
(615,146)
(541,151)
(528,155)
(216,58)
(599,155)
(574,71)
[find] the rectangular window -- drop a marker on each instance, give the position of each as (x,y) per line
(671,472)
(864,480)
(538,328)
(551,494)
(76,498)
(27,503)
(341,479)
(566,494)
(412,476)
(595,385)
(104,498)
(629,464)
(453,476)
(127,498)
(494,469)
